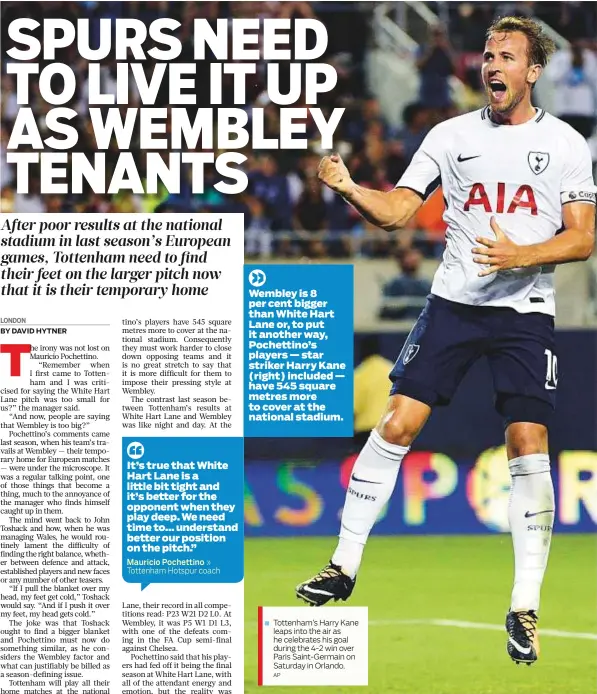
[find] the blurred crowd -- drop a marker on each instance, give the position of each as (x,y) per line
(288,212)
(468,21)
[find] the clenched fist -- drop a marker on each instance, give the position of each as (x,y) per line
(333,172)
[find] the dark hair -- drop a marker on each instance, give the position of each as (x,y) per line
(541,46)
(411,111)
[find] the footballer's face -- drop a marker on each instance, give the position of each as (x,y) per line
(507,75)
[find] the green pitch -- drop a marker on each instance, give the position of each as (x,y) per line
(451,578)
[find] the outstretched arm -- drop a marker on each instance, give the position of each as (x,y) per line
(576,242)
(389,210)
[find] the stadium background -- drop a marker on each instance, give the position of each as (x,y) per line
(439,558)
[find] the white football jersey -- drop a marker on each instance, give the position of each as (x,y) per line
(521,175)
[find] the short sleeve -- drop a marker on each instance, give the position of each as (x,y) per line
(577,178)
(423,174)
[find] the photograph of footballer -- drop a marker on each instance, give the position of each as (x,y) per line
(520,200)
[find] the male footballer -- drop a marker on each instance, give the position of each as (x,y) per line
(520,199)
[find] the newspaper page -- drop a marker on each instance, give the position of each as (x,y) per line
(183,303)
(132,367)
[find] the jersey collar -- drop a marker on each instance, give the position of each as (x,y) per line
(486,116)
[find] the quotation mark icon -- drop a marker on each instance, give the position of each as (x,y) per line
(257,278)
(135,450)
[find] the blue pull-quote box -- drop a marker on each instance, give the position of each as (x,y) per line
(299,350)
(182,518)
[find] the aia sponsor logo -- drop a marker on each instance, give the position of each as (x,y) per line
(496,202)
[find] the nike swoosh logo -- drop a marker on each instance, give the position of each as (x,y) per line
(524,651)
(358,479)
(530,515)
(461,158)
